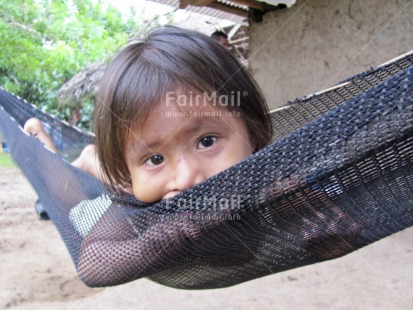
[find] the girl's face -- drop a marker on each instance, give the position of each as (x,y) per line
(179,147)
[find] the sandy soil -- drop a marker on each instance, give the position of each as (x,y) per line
(37,273)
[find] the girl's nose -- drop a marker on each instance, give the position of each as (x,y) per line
(188,171)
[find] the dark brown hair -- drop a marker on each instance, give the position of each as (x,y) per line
(169,58)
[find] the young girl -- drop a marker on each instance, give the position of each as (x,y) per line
(172,110)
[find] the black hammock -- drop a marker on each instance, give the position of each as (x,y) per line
(339,176)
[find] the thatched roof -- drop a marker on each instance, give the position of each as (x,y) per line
(82,86)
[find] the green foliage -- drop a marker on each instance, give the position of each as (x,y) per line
(6,160)
(46,42)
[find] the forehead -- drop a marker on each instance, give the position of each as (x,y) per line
(173,122)
(172,117)
(184,103)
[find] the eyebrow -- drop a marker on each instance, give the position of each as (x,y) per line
(140,146)
(195,124)
(199,122)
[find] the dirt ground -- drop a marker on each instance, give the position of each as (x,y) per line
(36,272)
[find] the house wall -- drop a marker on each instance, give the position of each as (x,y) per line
(318,43)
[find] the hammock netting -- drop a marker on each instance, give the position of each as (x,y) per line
(338,177)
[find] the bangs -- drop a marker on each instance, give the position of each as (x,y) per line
(136,97)
(146,81)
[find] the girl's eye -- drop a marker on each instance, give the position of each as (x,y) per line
(155,160)
(206,142)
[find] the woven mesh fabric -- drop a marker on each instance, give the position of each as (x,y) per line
(338,177)
(69,139)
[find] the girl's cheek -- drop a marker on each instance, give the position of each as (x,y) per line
(148,187)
